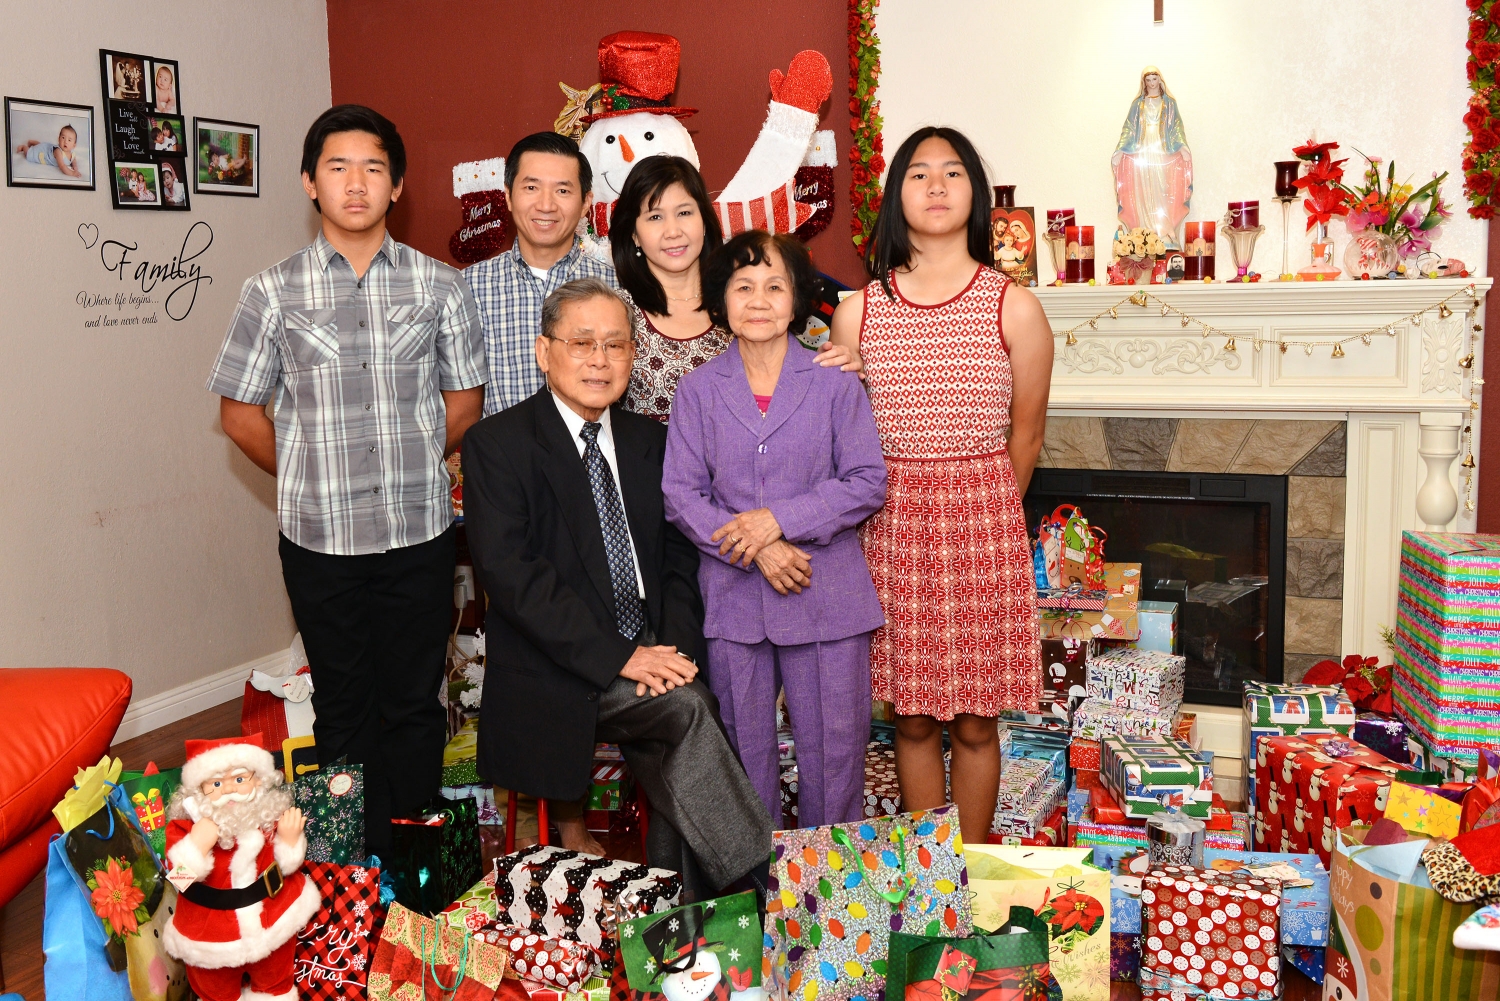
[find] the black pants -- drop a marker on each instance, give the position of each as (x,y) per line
(375,628)
(707,822)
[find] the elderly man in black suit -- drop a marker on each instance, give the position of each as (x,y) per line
(595,623)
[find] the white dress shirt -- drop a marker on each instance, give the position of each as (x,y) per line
(606,441)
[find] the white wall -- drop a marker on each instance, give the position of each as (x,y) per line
(132,532)
(1043,87)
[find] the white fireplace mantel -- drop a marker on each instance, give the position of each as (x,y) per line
(1404,394)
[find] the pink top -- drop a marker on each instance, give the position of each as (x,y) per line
(764,402)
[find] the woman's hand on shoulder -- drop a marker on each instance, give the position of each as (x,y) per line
(842,347)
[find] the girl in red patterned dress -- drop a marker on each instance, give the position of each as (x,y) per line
(959,363)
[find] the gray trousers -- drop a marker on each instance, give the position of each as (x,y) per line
(707,822)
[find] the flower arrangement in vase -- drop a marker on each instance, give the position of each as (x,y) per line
(1136,253)
(1390,221)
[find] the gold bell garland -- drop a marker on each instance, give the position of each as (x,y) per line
(1473,332)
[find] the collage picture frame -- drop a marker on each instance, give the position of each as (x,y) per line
(146,133)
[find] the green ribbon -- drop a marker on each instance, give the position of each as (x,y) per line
(429,964)
(905,883)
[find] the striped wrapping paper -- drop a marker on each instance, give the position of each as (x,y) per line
(1447,678)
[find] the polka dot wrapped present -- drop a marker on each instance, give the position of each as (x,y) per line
(837,894)
(1207,934)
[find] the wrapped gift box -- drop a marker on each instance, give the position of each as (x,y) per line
(1304,909)
(882,792)
(1384,734)
(1205,932)
(1447,677)
(1158,621)
(1314,784)
(1082,599)
(1112,835)
(1065,666)
(1104,810)
(1080,806)
(1227,841)
(1124,954)
(1084,754)
(1286,710)
(1308,960)
(1051,834)
(1148,680)
(1096,719)
(1147,775)
(1050,746)
(1118,620)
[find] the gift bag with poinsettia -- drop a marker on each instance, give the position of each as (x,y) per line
(1010,965)
(1065,891)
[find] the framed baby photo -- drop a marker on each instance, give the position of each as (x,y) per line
(135,185)
(226,158)
(165,87)
(168,135)
(126,76)
(174,183)
(48,145)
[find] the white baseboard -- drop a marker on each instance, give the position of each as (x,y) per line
(145,715)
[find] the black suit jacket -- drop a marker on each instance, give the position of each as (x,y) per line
(551,639)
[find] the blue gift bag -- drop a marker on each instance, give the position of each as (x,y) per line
(77,967)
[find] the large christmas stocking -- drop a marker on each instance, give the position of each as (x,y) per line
(479,185)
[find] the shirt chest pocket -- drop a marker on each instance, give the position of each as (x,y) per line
(310,336)
(411,331)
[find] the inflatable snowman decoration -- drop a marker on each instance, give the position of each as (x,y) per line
(628,116)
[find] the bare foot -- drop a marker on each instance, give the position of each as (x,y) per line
(26,146)
(576,837)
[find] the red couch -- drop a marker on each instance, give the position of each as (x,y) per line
(56,720)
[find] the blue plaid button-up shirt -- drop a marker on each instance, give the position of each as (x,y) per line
(356,366)
(510,299)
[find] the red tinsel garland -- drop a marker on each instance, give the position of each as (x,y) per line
(1481,160)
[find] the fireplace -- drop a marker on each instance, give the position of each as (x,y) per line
(1216,545)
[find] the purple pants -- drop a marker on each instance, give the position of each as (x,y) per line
(828,699)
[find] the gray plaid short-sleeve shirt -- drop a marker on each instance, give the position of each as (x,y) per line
(356,367)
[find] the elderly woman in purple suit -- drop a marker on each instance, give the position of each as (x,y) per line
(772,463)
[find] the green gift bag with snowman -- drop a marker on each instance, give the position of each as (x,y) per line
(709,951)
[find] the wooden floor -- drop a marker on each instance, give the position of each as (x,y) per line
(21,920)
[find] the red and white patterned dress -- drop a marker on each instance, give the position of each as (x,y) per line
(948,552)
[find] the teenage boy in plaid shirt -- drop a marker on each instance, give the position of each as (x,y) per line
(374,355)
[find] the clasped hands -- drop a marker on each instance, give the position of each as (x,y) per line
(755,537)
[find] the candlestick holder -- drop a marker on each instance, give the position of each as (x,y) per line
(1286,193)
(1241,247)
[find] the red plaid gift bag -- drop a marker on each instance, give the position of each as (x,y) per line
(332,955)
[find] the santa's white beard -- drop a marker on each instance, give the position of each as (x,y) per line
(261,810)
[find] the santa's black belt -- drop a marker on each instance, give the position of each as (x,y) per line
(268,885)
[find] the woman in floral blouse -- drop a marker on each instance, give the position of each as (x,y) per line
(663,229)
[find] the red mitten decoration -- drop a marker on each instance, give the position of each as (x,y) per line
(485,228)
(807,84)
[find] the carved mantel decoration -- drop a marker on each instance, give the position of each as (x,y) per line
(1397,360)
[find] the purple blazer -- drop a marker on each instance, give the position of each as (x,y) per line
(814,459)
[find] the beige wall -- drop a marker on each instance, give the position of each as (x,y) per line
(1043,87)
(132,532)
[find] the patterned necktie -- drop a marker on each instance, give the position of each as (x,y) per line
(616,534)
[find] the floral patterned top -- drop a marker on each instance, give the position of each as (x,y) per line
(661,360)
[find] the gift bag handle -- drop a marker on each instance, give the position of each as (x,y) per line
(109,811)
(907,881)
(429,966)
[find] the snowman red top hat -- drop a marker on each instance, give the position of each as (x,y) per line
(637,72)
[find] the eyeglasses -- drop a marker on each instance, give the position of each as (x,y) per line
(583,347)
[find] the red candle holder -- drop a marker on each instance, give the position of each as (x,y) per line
(1244,215)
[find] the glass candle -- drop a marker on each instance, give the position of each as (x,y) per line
(1244,215)
(1198,251)
(1005,196)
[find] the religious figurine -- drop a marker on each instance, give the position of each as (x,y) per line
(1152,164)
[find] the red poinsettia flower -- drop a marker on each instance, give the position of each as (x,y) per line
(923,990)
(1075,911)
(1324,672)
(1311,150)
(116,897)
(955,969)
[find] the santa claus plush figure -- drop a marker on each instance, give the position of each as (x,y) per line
(235,846)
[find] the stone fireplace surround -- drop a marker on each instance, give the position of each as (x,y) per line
(1370,441)
(1311,453)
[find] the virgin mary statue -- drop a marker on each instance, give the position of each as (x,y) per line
(1152,164)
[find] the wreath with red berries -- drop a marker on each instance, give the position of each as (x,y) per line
(1482,154)
(866,161)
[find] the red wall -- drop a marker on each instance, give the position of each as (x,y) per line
(463,79)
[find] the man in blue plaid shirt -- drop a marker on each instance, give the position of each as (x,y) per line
(548,186)
(374,356)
